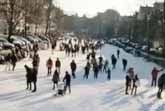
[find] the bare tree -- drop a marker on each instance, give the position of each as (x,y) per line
(11,11)
(48,14)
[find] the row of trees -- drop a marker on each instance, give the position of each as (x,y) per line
(43,13)
(102,25)
(111,24)
(37,12)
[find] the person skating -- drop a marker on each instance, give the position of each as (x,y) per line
(67,81)
(136,83)
(83,49)
(93,54)
(118,53)
(88,57)
(13,60)
(66,47)
(49,65)
(161,85)
(105,66)
(35,47)
(131,72)
(69,48)
(35,63)
(55,79)
(74,50)
(58,65)
(124,62)
(8,62)
(128,83)
(109,74)
(29,75)
(54,46)
(101,63)
(88,65)
(86,72)
(154,74)
(73,67)
(114,61)
(96,71)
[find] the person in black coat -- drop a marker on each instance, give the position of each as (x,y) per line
(93,54)
(55,79)
(34,79)
(36,60)
(73,50)
(86,70)
(13,60)
(101,63)
(114,61)
(105,66)
(29,74)
(128,83)
(73,68)
(35,63)
(53,47)
(135,85)
(88,57)
(108,74)
(161,85)
(96,71)
(118,53)
(8,62)
(58,65)
(124,62)
(67,80)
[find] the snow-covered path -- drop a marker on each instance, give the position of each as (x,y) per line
(87,95)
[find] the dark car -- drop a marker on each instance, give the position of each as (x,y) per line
(5,44)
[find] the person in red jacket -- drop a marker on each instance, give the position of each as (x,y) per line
(154,74)
(49,65)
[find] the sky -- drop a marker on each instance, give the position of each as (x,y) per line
(92,7)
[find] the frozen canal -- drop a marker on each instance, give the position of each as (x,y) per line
(87,95)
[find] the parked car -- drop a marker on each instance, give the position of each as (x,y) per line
(128,49)
(36,39)
(31,39)
(28,45)
(45,39)
(144,48)
(1,46)
(5,44)
(17,41)
(2,59)
(25,40)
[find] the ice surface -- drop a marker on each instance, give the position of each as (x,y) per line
(87,95)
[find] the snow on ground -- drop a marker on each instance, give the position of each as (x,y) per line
(87,95)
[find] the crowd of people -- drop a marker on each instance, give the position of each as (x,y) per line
(97,65)
(18,53)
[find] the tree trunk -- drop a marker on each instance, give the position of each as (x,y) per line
(36,27)
(10,31)
(46,30)
(10,23)
(25,27)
